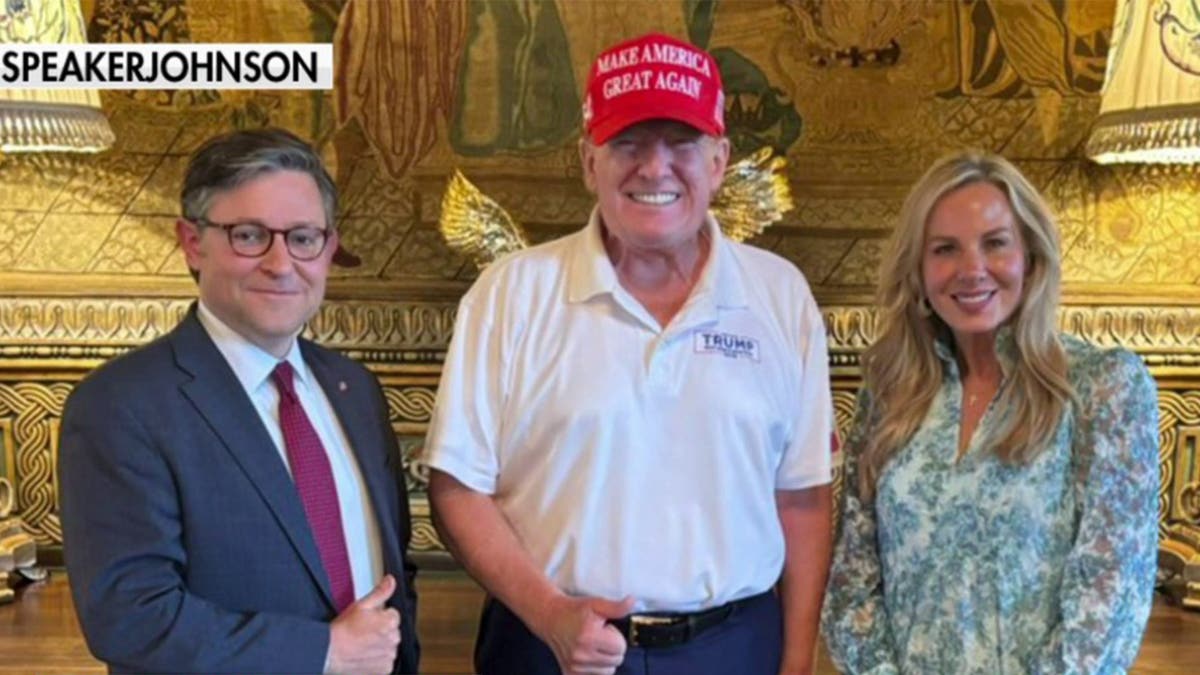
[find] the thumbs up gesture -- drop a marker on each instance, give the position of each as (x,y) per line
(365,636)
(577,631)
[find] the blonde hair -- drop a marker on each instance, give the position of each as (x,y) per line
(902,371)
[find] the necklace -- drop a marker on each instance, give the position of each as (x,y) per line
(971,398)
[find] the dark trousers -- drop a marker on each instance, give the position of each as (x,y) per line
(749,642)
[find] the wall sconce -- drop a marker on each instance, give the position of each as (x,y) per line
(48,120)
(1150,104)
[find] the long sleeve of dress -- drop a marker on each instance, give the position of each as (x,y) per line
(1108,579)
(853,618)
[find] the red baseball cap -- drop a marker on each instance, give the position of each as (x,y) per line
(654,76)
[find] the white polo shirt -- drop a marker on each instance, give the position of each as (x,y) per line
(633,459)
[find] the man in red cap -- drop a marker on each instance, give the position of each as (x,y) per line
(630,447)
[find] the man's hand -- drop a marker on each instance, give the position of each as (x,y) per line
(577,631)
(364,637)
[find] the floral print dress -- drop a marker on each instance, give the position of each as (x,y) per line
(972,565)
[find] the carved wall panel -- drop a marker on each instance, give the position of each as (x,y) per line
(30,412)
(1180,426)
(859,95)
(8,451)
(48,344)
(844,397)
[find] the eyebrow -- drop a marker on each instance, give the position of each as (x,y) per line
(992,232)
(674,131)
(254,221)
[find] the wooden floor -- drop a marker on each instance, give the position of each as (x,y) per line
(38,633)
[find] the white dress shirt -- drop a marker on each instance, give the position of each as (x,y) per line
(253,368)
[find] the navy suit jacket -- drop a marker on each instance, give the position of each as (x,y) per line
(186,543)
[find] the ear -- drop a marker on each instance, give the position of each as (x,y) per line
(331,245)
(587,160)
(721,150)
(187,234)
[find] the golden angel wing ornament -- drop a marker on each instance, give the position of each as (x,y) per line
(476,226)
(753,196)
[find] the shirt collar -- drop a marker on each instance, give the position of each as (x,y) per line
(251,364)
(591,273)
(1006,349)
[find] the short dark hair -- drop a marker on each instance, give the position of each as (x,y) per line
(224,162)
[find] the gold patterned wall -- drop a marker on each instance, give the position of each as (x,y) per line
(859,95)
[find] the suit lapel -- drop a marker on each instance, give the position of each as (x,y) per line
(353,409)
(220,399)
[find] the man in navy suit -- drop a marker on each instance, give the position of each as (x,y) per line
(232,495)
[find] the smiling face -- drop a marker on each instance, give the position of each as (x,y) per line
(654,182)
(267,299)
(973,264)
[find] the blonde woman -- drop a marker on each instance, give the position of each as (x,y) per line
(1000,502)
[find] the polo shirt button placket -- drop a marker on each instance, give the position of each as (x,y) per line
(656,374)
(656,369)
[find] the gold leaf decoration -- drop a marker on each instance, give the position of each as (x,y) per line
(476,226)
(754,195)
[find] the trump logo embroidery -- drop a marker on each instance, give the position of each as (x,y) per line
(728,344)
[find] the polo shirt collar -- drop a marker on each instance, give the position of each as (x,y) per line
(591,273)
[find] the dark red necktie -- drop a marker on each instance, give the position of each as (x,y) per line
(314,482)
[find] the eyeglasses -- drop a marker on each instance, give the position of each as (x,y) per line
(253,240)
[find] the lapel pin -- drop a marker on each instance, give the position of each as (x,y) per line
(342,385)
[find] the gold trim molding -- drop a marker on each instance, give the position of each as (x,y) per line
(1167,338)
(97,328)
(1137,328)
(63,327)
